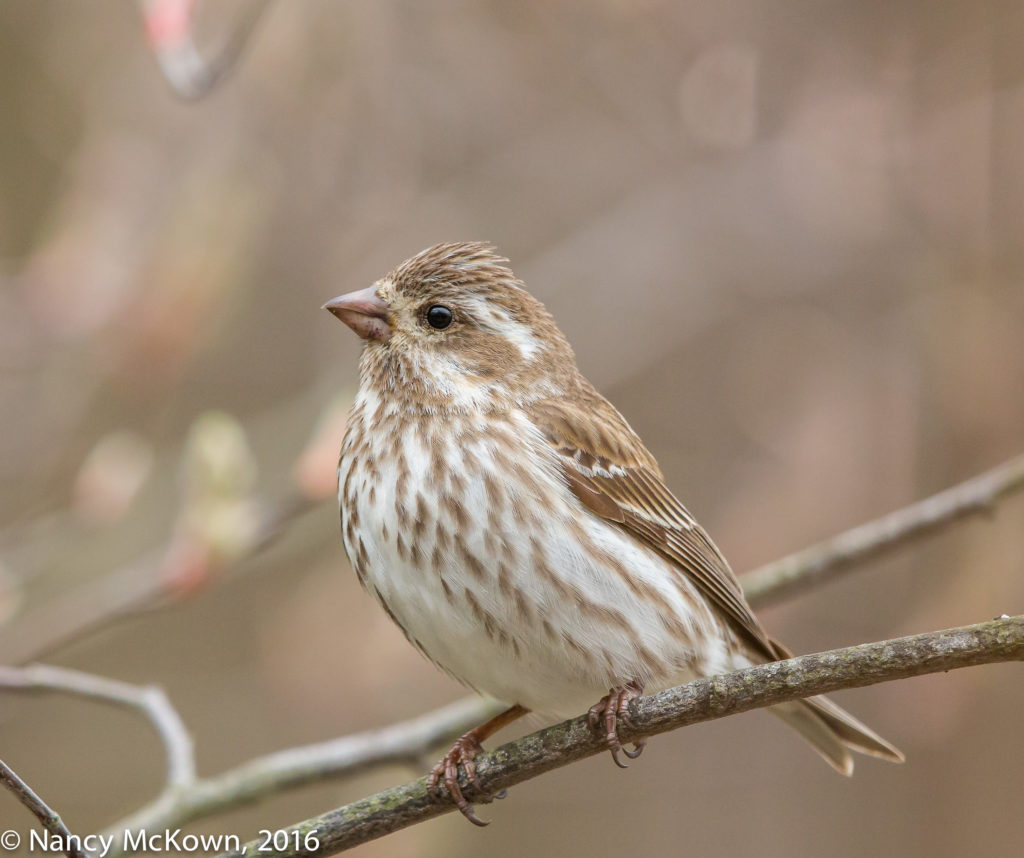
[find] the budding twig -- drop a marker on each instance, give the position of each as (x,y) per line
(127,591)
(190,73)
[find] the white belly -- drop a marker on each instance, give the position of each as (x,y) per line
(512,586)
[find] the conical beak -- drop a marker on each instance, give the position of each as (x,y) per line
(364,312)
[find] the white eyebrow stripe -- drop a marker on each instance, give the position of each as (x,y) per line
(499,321)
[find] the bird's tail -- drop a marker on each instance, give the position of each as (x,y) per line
(834,732)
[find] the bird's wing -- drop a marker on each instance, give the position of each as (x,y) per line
(614,475)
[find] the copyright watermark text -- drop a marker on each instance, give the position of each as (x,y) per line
(163,841)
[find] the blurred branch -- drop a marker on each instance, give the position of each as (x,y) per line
(170,31)
(828,559)
(149,700)
(702,700)
(219,523)
(130,590)
(48,818)
(405,742)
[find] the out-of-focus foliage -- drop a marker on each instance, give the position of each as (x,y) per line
(784,238)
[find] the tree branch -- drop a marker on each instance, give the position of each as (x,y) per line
(702,700)
(48,818)
(828,559)
(405,742)
(150,700)
(187,798)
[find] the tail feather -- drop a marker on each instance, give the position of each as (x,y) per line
(815,730)
(854,733)
(834,732)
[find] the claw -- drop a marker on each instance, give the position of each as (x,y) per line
(615,756)
(463,751)
(605,715)
(638,749)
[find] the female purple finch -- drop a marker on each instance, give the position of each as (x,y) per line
(514,526)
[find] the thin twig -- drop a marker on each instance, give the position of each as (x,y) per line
(405,742)
(826,560)
(150,700)
(48,818)
(170,29)
(702,700)
(127,591)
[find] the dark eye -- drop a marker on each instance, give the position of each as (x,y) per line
(439,317)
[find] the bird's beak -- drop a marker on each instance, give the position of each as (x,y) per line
(364,312)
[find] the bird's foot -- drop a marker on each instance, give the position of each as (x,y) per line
(463,752)
(605,716)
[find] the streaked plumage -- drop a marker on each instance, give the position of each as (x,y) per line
(515,527)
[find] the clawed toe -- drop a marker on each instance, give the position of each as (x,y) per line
(605,716)
(462,752)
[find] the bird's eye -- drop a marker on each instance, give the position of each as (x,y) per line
(439,317)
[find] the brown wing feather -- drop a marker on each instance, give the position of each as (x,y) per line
(614,475)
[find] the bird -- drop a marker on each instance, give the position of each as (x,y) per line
(509,520)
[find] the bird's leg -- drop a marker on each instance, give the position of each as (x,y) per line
(605,715)
(463,751)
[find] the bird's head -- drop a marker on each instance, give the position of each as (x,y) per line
(453,329)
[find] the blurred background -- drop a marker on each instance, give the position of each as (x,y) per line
(785,239)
